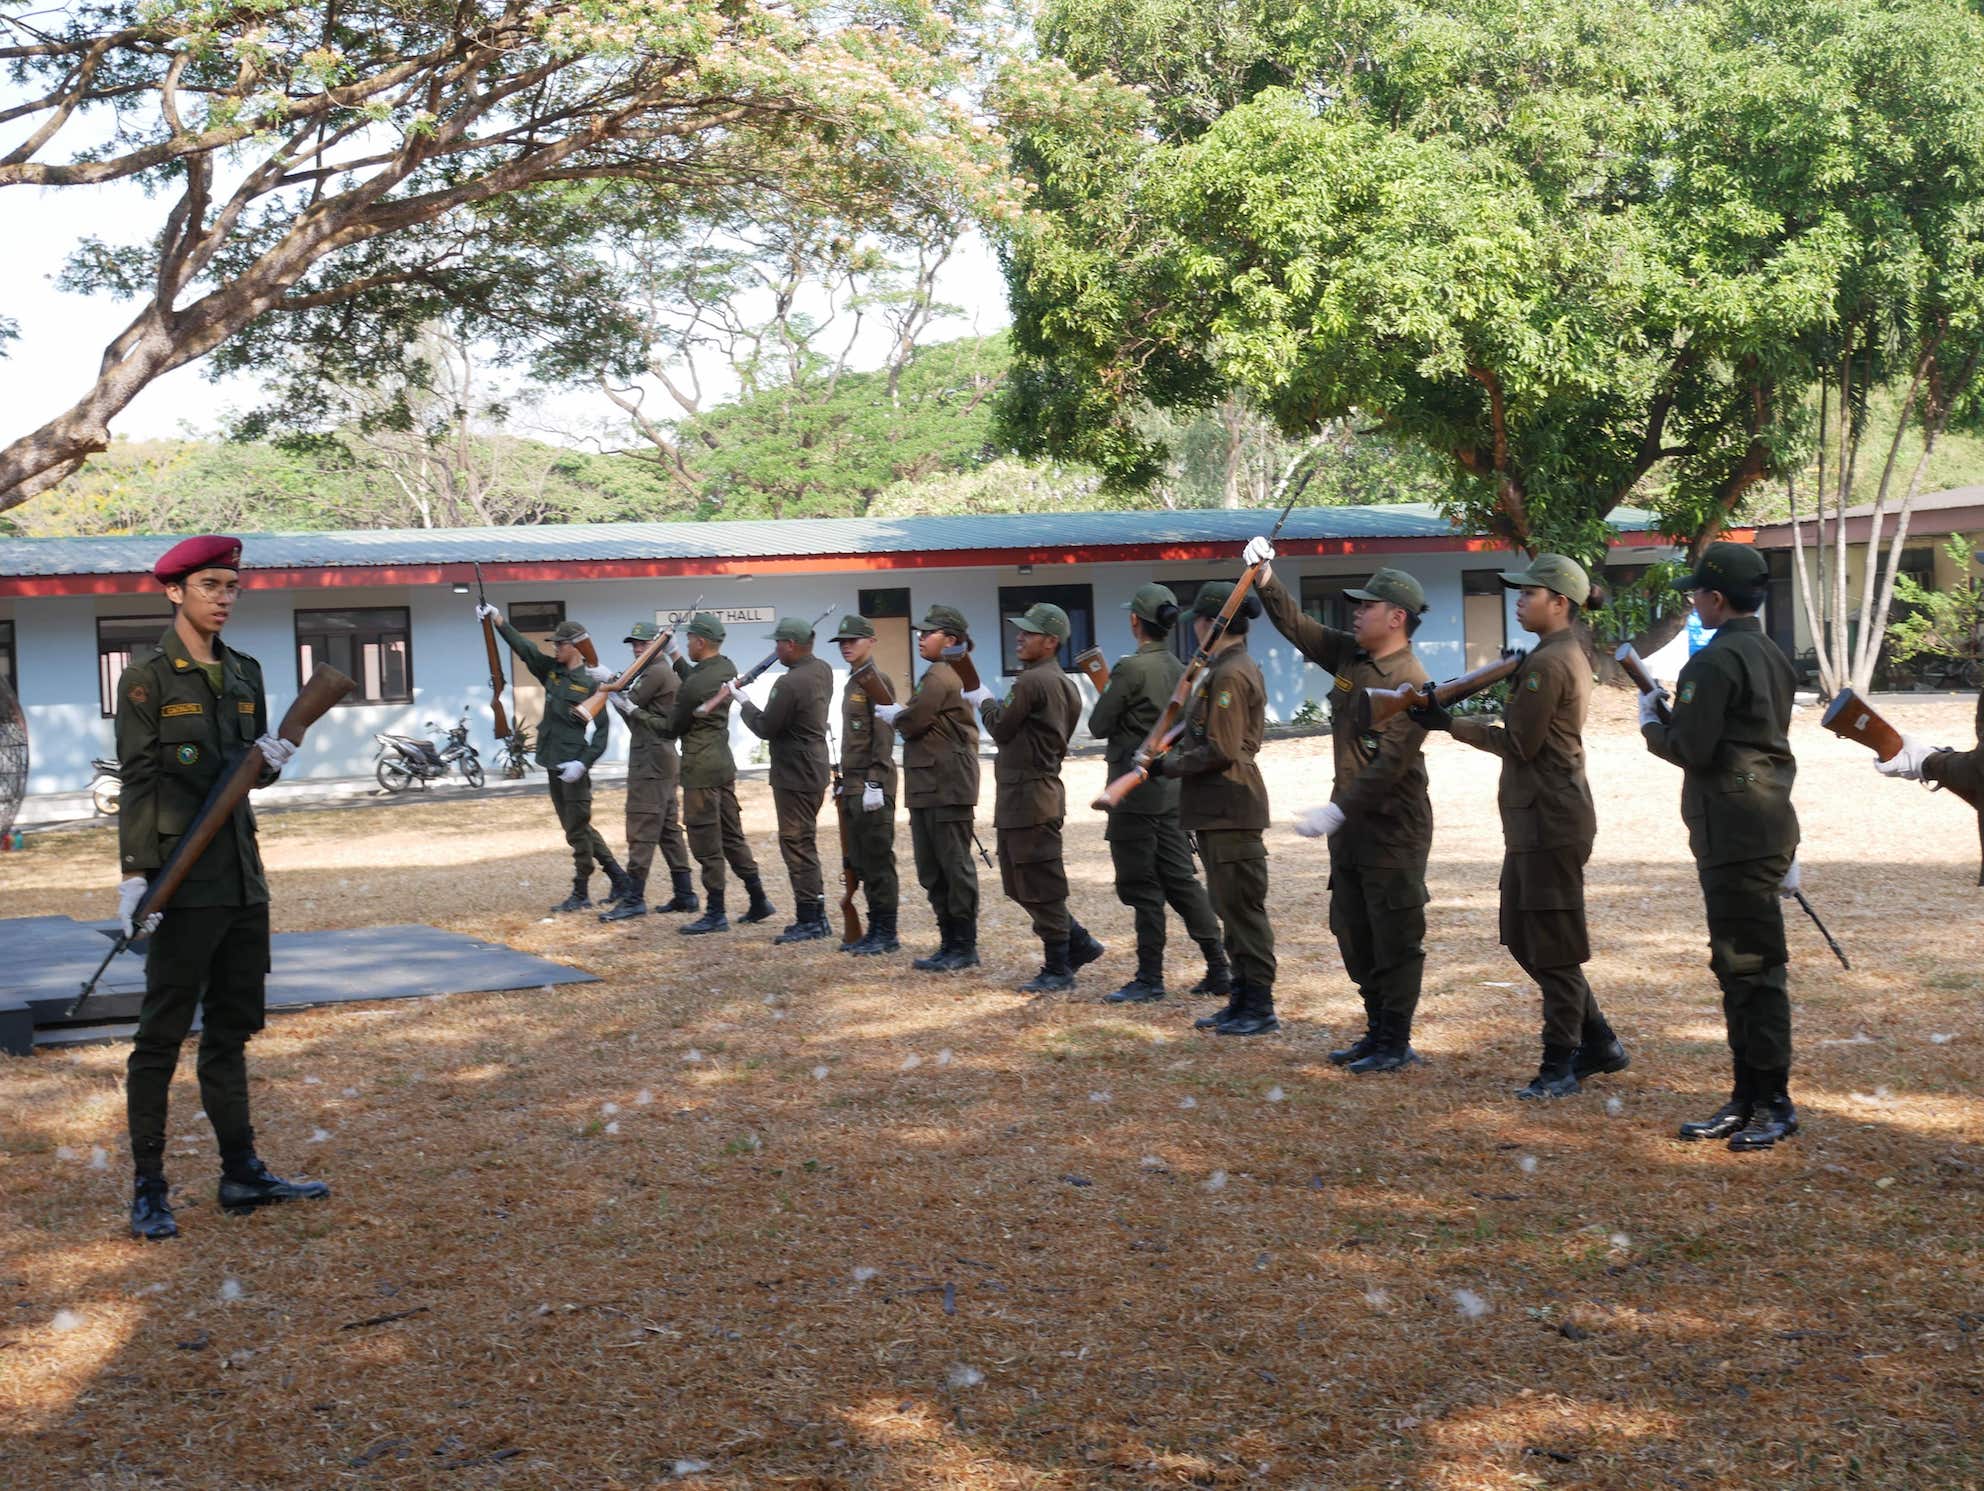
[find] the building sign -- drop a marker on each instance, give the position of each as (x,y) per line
(728,615)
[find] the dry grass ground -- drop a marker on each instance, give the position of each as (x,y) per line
(761,1217)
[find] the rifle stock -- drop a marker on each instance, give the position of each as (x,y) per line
(325,688)
(959,657)
(1628,659)
(588,709)
(751,674)
(873,684)
(1381,706)
(1112,796)
(851,930)
(1852,718)
(1093,663)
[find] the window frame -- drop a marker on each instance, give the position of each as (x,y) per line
(355,699)
(106,683)
(1081,621)
(9,632)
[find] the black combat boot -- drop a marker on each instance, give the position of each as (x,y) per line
(1083,949)
(881,936)
(1256,1016)
(1363,1046)
(685,893)
(1219,973)
(1771,1118)
(1598,1051)
(812,923)
(1732,1115)
(964,947)
(151,1214)
(1235,1007)
(618,882)
(633,903)
(1555,1078)
(760,909)
(1056,974)
(946,945)
(1147,986)
(247,1184)
(578,900)
(1391,1046)
(712,920)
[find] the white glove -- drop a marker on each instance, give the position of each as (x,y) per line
(621,702)
(887,713)
(486,612)
(871,798)
(601,674)
(129,893)
(1258,550)
(275,750)
(977,696)
(1906,763)
(1649,709)
(570,771)
(1320,823)
(1793,881)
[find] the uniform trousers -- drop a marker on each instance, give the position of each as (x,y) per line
(715,828)
(1747,953)
(798,812)
(868,843)
(654,818)
(1543,927)
(1378,915)
(572,801)
(1237,881)
(1032,873)
(940,838)
(1153,861)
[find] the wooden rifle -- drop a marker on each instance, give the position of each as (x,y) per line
(1380,706)
(1630,664)
(851,930)
(325,688)
(873,684)
(1093,663)
(1851,717)
(958,655)
(588,709)
(750,675)
(497,719)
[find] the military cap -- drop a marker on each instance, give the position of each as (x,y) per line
(208,551)
(1554,572)
(1148,600)
(1394,587)
(944,619)
(1725,566)
(706,626)
(569,631)
(1041,617)
(792,629)
(1211,599)
(853,627)
(642,631)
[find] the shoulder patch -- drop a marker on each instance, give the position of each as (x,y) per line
(245,706)
(1342,684)
(1225,698)
(137,693)
(1688,692)
(173,711)
(188,754)
(1532,682)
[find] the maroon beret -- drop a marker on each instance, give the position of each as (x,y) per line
(208,551)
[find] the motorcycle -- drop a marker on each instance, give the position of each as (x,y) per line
(106,787)
(406,759)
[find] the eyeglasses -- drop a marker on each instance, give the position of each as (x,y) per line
(215,590)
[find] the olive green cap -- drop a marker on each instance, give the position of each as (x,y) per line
(1725,566)
(792,629)
(706,626)
(1148,600)
(944,619)
(852,627)
(642,631)
(1211,599)
(1554,572)
(1046,619)
(1394,587)
(569,631)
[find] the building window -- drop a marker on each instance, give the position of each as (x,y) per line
(372,644)
(1323,599)
(895,647)
(1184,638)
(8,670)
(537,620)
(1484,616)
(118,640)
(1077,600)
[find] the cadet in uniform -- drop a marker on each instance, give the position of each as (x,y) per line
(186,712)
(1548,822)
(1152,856)
(940,779)
(868,791)
(1225,803)
(654,774)
(1379,819)
(794,720)
(564,751)
(1031,727)
(1730,736)
(710,815)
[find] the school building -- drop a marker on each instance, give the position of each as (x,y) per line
(395,609)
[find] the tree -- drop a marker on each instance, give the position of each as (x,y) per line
(1580,253)
(340,175)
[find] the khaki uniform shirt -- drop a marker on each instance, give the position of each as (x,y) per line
(1380,774)
(794,720)
(561,735)
(1730,736)
(176,737)
(1222,788)
(939,743)
(1031,727)
(867,744)
(1140,685)
(705,739)
(651,752)
(1543,795)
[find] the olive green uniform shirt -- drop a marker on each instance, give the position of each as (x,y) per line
(705,739)
(651,749)
(1140,685)
(1543,795)
(794,720)
(1031,727)
(867,743)
(1222,790)
(939,743)
(561,735)
(177,735)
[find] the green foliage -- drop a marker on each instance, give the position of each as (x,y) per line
(1312,712)
(1939,623)
(1632,607)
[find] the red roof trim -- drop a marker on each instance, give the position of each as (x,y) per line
(551,571)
